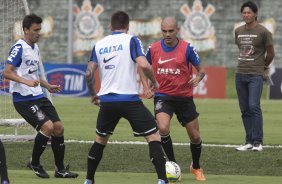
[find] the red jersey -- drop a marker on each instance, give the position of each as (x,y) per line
(172,70)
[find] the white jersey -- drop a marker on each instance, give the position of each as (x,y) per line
(118,72)
(25,59)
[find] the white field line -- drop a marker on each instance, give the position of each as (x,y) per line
(177,144)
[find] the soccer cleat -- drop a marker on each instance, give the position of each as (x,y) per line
(65,173)
(5,182)
(162,182)
(257,147)
(38,170)
(88,182)
(199,173)
(180,178)
(245,147)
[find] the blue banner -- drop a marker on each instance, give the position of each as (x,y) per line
(71,78)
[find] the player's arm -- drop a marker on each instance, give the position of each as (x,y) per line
(146,86)
(9,73)
(137,54)
(199,76)
(14,60)
(147,70)
(90,80)
(50,87)
(193,57)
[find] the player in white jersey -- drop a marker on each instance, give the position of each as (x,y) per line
(30,102)
(116,57)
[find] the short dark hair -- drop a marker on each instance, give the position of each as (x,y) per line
(119,20)
(31,19)
(251,5)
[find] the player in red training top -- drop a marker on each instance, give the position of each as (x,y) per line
(172,60)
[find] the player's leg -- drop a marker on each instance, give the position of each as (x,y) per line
(31,112)
(108,117)
(188,116)
(57,141)
(3,165)
(196,148)
(144,124)
(163,114)
(94,157)
(58,145)
(163,120)
(192,129)
(157,156)
(58,148)
(40,144)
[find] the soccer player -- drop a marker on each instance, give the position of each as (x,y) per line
(256,52)
(172,60)
(116,57)
(30,102)
(3,165)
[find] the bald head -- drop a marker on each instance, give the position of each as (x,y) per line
(169,21)
(169,30)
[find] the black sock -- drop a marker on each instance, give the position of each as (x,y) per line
(94,157)
(158,159)
(40,143)
(58,147)
(168,147)
(196,150)
(3,164)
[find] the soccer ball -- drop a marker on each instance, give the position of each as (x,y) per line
(173,171)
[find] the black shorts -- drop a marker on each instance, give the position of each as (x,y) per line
(140,118)
(37,112)
(183,107)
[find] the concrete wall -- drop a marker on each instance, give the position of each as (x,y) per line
(54,48)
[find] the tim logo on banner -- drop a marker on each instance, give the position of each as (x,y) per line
(71,78)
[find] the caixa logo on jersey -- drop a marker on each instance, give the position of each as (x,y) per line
(71,79)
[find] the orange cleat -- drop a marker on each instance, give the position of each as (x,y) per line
(199,173)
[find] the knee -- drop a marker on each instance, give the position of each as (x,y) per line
(58,129)
(102,140)
(255,108)
(47,128)
(153,137)
(164,130)
(195,138)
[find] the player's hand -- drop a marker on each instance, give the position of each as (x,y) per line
(156,86)
(95,100)
(194,82)
(148,93)
(54,88)
(32,83)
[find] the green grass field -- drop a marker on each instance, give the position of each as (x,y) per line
(220,124)
(24,177)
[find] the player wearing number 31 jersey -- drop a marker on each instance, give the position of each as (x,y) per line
(30,102)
